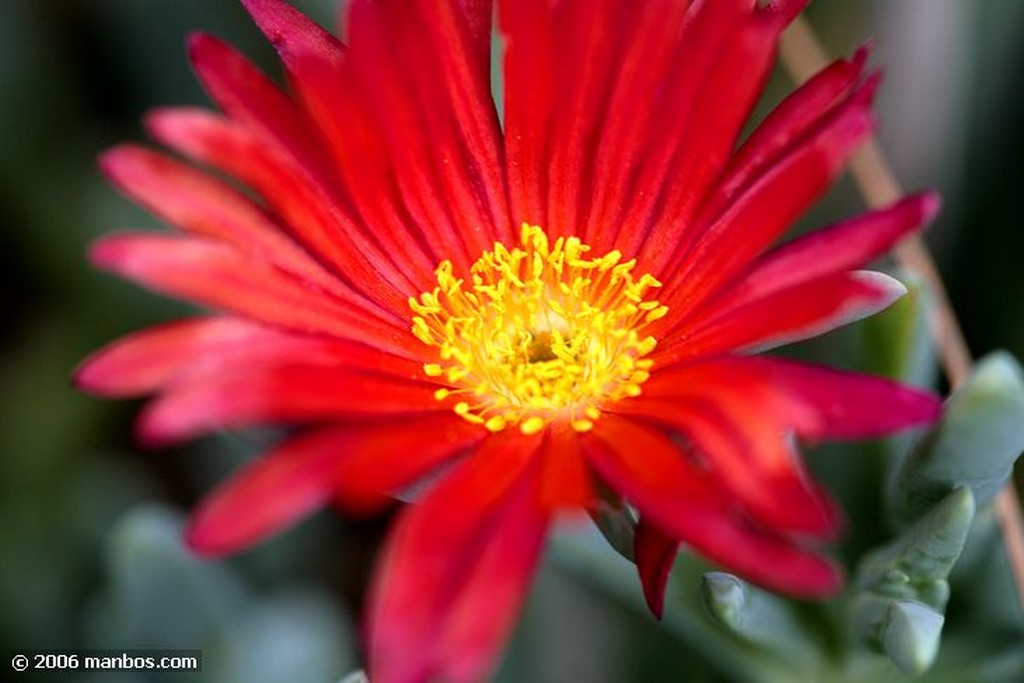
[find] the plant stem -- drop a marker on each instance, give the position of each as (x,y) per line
(803,56)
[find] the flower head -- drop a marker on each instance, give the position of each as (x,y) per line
(556,305)
(542,335)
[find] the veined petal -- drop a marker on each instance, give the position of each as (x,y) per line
(648,468)
(437,109)
(479,17)
(303,473)
(318,219)
(358,144)
(704,41)
(278,489)
(785,126)
(396,456)
(799,312)
(465,88)
(811,400)
(655,554)
(695,143)
(217,275)
(143,362)
(590,37)
(249,97)
(291,393)
(455,569)
(293,34)
(321,71)
(849,405)
(741,428)
(195,202)
(743,438)
(528,28)
(712,253)
(834,249)
(474,636)
(155,358)
(565,480)
(650,45)
(433,161)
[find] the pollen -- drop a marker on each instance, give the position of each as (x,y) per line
(538,333)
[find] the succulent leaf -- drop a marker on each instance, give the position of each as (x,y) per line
(897,342)
(975,444)
(755,616)
(901,589)
(910,635)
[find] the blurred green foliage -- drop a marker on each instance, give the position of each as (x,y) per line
(88,562)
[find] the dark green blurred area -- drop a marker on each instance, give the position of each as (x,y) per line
(82,565)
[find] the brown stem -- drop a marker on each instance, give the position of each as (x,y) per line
(803,56)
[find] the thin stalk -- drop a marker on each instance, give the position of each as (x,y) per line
(803,56)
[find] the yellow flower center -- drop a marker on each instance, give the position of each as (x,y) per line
(542,333)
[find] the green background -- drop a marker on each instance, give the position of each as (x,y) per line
(88,549)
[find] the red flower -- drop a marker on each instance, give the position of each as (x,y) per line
(570,296)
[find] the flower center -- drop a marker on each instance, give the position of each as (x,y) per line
(541,334)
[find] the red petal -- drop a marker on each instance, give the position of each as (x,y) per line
(401,454)
(432,159)
(800,312)
(464,90)
(850,405)
(249,97)
(655,554)
(589,35)
(645,466)
(275,491)
(741,434)
(320,70)
(696,134)
(801,112)
(565,480)
(479,17)
(845,245)
(293,34)
(184,351)
(145,361)
(313,212)
(303,473)
(528,27)
(194,202)
(787,8)
(741,426)
(216,275)
(235,397)
(719,250)
(814,401)
(650,46)
(455,569)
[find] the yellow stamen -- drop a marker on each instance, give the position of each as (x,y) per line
(538,333)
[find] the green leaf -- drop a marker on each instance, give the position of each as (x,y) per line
(586,557)
(160,594)
(901,589)
(755,616)
(616,523)
(917,564)
(897,342)
(910,635)
(975,444)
